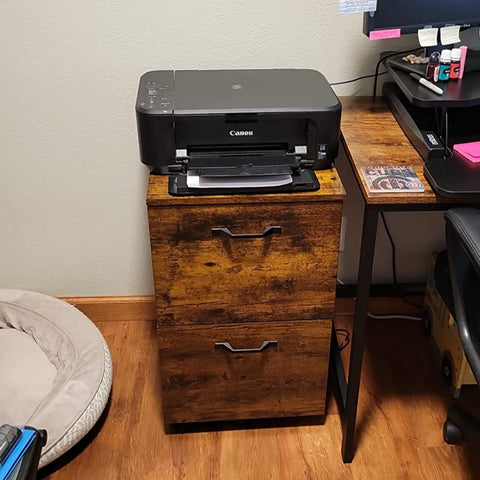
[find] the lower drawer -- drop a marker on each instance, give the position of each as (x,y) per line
(243,371)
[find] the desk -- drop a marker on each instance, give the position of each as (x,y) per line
(371,135)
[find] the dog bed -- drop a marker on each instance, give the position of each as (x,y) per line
(56,369)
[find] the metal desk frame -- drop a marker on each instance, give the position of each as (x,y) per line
(372,207)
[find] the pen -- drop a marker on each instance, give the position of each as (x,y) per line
(427,84)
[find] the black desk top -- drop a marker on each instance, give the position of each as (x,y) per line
(453,177)
(459,93)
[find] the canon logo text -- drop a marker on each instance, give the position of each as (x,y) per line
(241,133)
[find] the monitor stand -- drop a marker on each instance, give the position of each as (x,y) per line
(448,176)
(453,177)
(459,93)
(420,125)
(434,123)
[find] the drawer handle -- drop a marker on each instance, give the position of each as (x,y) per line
(216,232)
(264,346)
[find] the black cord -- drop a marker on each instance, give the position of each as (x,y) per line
(394,255)
(346,337)
(377,73)
(442,123)
(357,79)
(448,153)
(388,55)
(394,264)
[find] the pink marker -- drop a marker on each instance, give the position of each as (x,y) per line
(463,58)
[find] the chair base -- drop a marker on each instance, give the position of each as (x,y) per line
(460,427)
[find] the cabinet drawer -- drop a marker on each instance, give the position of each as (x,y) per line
(206,274)
(202,381)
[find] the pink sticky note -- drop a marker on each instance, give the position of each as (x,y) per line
(468,151)
(381,34)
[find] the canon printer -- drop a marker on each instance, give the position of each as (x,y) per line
(237,131)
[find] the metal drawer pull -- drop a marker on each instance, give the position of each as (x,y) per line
(264,346)
(226,231)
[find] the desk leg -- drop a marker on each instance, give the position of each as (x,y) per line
(369,233)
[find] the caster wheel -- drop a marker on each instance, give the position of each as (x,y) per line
(447,371)
(451,433)
(426,323)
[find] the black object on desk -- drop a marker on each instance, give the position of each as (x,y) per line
(453,177)
(237,131)
(434,123)
(460,93)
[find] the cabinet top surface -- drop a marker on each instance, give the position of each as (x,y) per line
(331,189)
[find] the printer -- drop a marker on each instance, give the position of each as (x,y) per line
(237,131)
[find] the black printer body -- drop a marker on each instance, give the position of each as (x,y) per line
(237,131)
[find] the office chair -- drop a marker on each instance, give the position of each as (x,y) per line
(457,276)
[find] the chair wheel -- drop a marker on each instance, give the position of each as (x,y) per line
(452,433)
(447,370)
(426,323)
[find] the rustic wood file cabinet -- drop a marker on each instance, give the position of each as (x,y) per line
(245,292)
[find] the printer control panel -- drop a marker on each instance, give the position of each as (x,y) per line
(156,93)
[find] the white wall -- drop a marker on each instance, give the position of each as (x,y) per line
(72,188)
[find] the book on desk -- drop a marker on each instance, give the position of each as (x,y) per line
(391,179)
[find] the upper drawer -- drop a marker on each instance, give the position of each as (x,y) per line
(204,273)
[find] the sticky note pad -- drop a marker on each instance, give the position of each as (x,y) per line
(449,35)
(381,34)
(428,37)
(468,151)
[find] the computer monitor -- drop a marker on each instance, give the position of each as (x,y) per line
(411,15)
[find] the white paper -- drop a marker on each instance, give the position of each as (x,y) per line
(449,35)
(194,181)
(428,37)
(349,6)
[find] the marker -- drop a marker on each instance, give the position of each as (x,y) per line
(427,84)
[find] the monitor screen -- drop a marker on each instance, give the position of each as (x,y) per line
(411,15)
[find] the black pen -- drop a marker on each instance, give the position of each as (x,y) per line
(431,86)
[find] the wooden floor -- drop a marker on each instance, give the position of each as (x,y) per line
(403,403)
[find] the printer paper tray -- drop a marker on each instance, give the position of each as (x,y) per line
(305,180)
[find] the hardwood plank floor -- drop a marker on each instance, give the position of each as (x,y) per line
(403,403)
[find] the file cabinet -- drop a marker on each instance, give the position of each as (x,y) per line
(245,294)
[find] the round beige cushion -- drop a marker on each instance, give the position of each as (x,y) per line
(56,369)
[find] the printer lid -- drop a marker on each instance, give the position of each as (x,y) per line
(204,92)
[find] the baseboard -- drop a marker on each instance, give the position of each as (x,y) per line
(142,307)
(382,305)
(115,308)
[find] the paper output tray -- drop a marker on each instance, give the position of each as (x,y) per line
(302,181)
